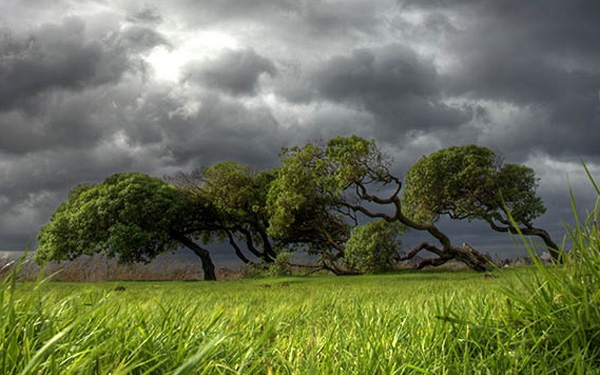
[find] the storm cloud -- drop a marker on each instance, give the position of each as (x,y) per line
(95,88)
(233,72)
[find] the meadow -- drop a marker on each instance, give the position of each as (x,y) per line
(404,323)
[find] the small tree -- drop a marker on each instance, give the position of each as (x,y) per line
(471,182)
(374,247)
(131,216)
(303,206)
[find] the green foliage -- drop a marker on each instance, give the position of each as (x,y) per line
(281,266)
(129,215)
(234,197)
(235,189)
(373,247)
(469,182)
(302,184)
(306,201)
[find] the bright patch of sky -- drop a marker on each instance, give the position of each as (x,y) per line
(167,62)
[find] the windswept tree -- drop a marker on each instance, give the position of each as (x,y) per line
(304,209)
(237,195)
(471,182)
(320,191)
(130,216)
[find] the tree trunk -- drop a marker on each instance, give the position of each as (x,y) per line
(237,249)
(474,259)
(466,255)
(207,264)
(555,252)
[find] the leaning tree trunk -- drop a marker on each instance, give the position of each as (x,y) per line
(474,259)
(555,251)
(467,255)
(207,264)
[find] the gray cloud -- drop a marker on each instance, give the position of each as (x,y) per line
(233,72)
(395,73)
(140,39)
(295,20)
(58,83)
(539,58)
(392,83)
(54,56)
(148,14)
(61,57)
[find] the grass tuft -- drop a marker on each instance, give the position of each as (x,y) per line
(556,315)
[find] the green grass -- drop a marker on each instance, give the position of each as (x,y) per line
(430,323)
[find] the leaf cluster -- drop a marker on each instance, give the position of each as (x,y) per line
(374,246)
(129,215)
(470,182)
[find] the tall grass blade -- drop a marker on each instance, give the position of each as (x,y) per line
(190,364)
(44,350)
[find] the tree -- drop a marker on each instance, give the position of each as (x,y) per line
(320,191)
(374,246)
(131,216)
(237,195)
(471,182)
(303,206)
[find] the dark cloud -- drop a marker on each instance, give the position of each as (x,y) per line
(80,98)
(148,14)
(394,84)
(61,56)
(234,72)
(54,56)
(394,74)
(216,128)
(60,85)
(68,125)
(539,57)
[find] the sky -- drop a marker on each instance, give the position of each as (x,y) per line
(92,88)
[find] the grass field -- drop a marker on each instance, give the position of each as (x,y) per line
(409,323)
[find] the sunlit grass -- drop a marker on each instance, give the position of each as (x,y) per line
(373,324)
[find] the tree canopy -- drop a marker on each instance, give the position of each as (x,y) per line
(130,215)
(331,187)
(311,200)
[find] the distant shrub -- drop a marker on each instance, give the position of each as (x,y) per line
(281,266)
(373,247)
